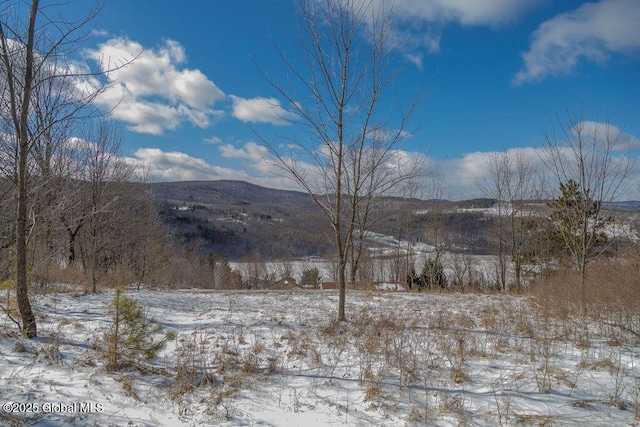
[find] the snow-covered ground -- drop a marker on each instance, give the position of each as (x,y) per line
(280,359)
(506,209)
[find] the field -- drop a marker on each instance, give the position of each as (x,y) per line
(279,358)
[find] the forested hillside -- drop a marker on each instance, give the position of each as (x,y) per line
(237,218)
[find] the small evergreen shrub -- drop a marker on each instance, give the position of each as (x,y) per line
(132,338)
(432,275)
(414,281)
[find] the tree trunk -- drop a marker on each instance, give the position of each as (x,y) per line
(94,259)
(72,248)
(22,283)
(29,328)
(342,296)
(342,267)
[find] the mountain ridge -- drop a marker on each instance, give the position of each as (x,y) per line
(239,218)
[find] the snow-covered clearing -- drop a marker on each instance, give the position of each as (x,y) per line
(278,358)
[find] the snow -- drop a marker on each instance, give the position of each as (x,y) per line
(613,230)
(279,359)
(625,231)
(390,286)
(508,209)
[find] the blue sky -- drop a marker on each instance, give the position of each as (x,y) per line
(495,72)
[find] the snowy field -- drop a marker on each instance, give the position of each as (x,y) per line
(279,359)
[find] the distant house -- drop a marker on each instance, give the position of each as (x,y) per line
(367,286)
(286,284)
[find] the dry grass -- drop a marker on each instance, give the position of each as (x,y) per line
(425,356)
(601,364)
(192,364)
(383,347)
(128,387)
(612,300)
(373,392)
(609,283)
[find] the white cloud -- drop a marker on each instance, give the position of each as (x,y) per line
(155,92)
(413,35)
(592,32)
(605,131)
(460,176)
(463,177)
(250,151)
(253,155)
(420,22)
(466,12)
(177,166)
(100,33)
(162,166)
(265,110)
(415,59)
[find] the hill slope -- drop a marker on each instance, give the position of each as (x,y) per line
(238,218)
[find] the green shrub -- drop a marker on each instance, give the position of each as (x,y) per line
(432,275)
(132,338)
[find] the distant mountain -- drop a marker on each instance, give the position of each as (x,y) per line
(238,218)
(226,192)
(629,205)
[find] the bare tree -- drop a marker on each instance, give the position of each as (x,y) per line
(402,265)
(494,187)
(143,232)
(374,202)
(106,177)
(18,79)
(590,163)
(253,269)
(462,269)
(284,268)
(350,156)
(435,233)
(57,110)
(521,189)
(36,53)
(221,275)
(511,181)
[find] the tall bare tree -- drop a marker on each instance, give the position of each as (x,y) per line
(494,187)
(590,162)
(511,180)
(350,154)
(57,110)
(36,54)
(18,66)
(144,234)
(524,187)
(374,177)
(107,178)
(435,232)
